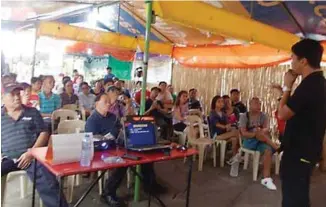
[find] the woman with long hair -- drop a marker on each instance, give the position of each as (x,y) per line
(220,127)
(180,111)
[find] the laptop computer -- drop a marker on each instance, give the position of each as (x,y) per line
(140,134)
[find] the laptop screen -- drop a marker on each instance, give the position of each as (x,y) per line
(140,133)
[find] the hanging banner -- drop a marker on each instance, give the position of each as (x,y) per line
(120,69)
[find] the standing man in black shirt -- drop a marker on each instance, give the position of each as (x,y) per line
(235,98)
(305,113)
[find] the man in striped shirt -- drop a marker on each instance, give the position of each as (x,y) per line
(23,128)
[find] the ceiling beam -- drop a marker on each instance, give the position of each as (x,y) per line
(199,15)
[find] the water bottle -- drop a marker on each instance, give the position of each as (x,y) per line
(235,166)
(87,151)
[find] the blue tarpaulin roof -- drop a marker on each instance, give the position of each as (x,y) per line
(297,17)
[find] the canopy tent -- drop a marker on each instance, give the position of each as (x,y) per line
(193,28)
(190,24)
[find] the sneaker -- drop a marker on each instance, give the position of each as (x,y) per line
(231,160)
(235,158)
(268,183)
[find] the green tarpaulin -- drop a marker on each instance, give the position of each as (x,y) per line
(120,69)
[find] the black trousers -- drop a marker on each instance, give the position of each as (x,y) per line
(180,127)
(295,176)
(117,176)
(7,166)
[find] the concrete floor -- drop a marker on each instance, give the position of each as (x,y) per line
(210,188)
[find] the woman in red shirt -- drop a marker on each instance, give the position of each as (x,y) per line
(36,84)
(26,94)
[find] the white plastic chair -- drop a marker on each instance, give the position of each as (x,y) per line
(73,107)
(200,143)
(24,180)
(70,127)
(256,158)
(63,114)
(222,144)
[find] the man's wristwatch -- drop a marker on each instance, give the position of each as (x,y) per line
(286,89)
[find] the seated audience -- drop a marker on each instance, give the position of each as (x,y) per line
(18,135)
(136,88)
(108,83)
(76,85)
(254,127)
(180,111)
(138,95)
(155,108)
(220,127)
(123,86)
(116,106)
(193,102)
(49,101)
(280,123)
(165,96)
(119,84)
(98,88)
(60,87)
(232,112)
(86,99)
(171,90)
(25,94)
(36,84)
(68,96)
(102,122)
(75,76)
(127,101)
(235,98)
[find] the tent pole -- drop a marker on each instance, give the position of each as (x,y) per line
(34,50)
(149,5)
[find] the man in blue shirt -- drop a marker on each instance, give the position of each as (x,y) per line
(102,122)
(49,101)
(109,75)
(23,128)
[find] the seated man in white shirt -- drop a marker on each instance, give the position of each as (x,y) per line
(86,99)
(165,96)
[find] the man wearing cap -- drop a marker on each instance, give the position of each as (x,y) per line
(305,114)
(23,128)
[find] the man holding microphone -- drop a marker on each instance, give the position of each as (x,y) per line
(305,113)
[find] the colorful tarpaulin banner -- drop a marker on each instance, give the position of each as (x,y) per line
(120,69)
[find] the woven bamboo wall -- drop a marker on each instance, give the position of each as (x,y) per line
(251,82)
